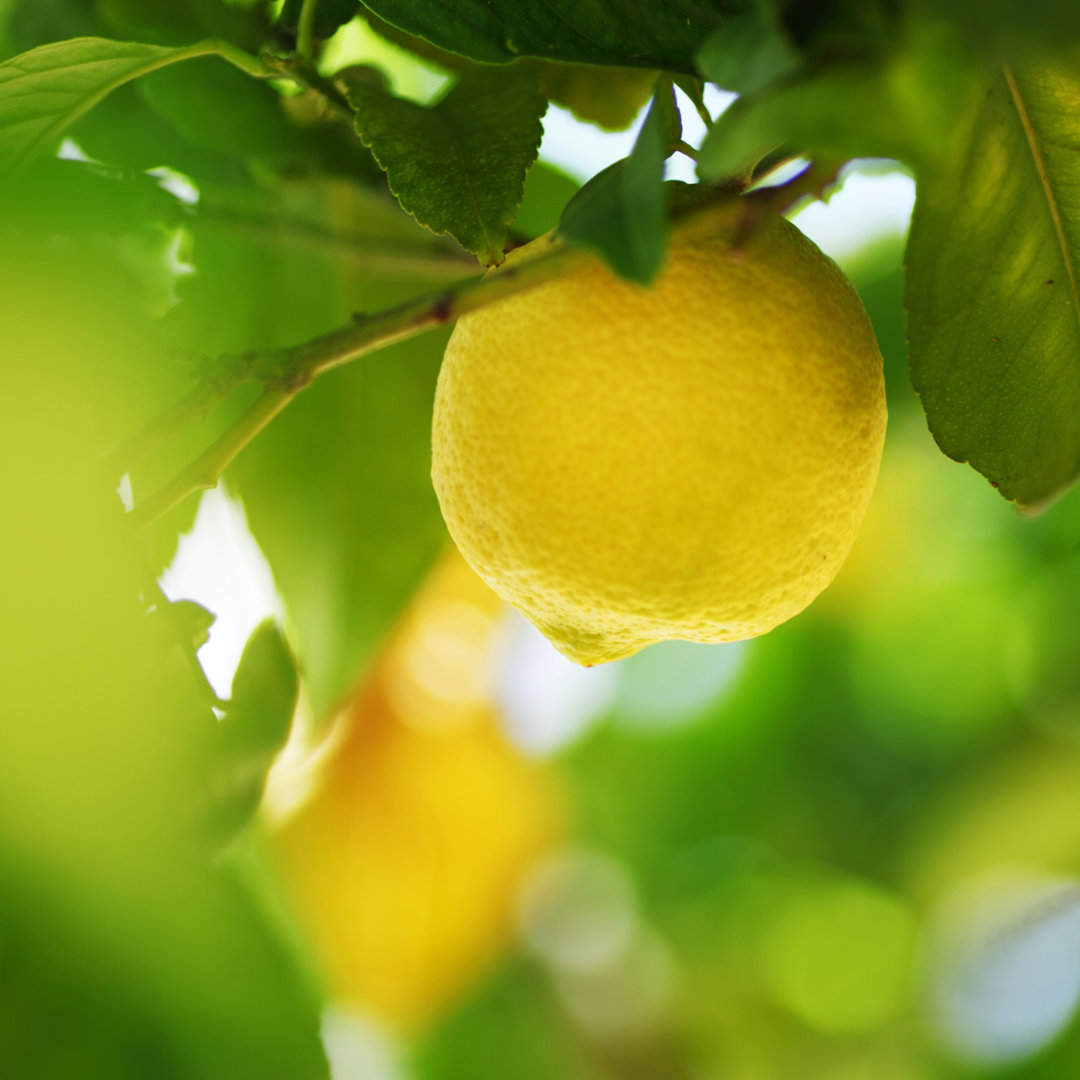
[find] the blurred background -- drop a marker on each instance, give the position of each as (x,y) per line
(848,850)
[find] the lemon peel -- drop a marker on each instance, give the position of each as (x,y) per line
(690,460)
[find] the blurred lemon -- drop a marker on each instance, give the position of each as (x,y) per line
(404,862)
(690,460)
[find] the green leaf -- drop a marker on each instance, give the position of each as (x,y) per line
(216,106)
(337,489)
(44,91)
(748,51)
(338,494)
(107,890)
(1005,29)
(841,112)
(648,33)
(192,621)
(458,166)
(182,23)
(510,1026)
(547,191)
(609,97)
(993,301)
(330,15)
(620,212)
(254,729)
(264,692)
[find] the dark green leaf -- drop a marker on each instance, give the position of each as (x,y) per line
(748,51)
(44,91)
(609,97)
(651,33)
(620,212)
(459,165)
(182,23)
(992,295)
(330,15)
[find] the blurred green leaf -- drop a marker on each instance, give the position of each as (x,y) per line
(748,51)
(217,106)
(993,303)
(1003,29)
(459,165)
(338,494)
(609,97)
(108,895)
(510,1027)
(38,22)
(44,91)
(254,729)
(547,191)
(649,33)
(243,23)
(264,692)
(192,622)
(620,212)
(898,101)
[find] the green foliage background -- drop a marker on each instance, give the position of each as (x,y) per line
(791,835)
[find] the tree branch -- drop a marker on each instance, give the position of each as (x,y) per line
(205,471)
(285,372)
(162,428)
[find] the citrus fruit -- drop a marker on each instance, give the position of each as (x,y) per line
(688,460)
(420,819)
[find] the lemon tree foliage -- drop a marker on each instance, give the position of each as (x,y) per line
(1010,181)
(234,235)
(653,35)
(620,212)
(48,88)
(458,166)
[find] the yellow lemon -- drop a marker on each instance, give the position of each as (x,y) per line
(690,460)
(404,861)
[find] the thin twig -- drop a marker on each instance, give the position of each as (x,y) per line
(162,428)
(205,471)
(812,183)
(683,147)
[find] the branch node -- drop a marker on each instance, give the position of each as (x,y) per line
(442,310)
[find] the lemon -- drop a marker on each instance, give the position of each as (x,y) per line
(418,820)
(690,460)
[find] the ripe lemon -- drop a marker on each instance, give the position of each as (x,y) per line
(690,460)
(420,819)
